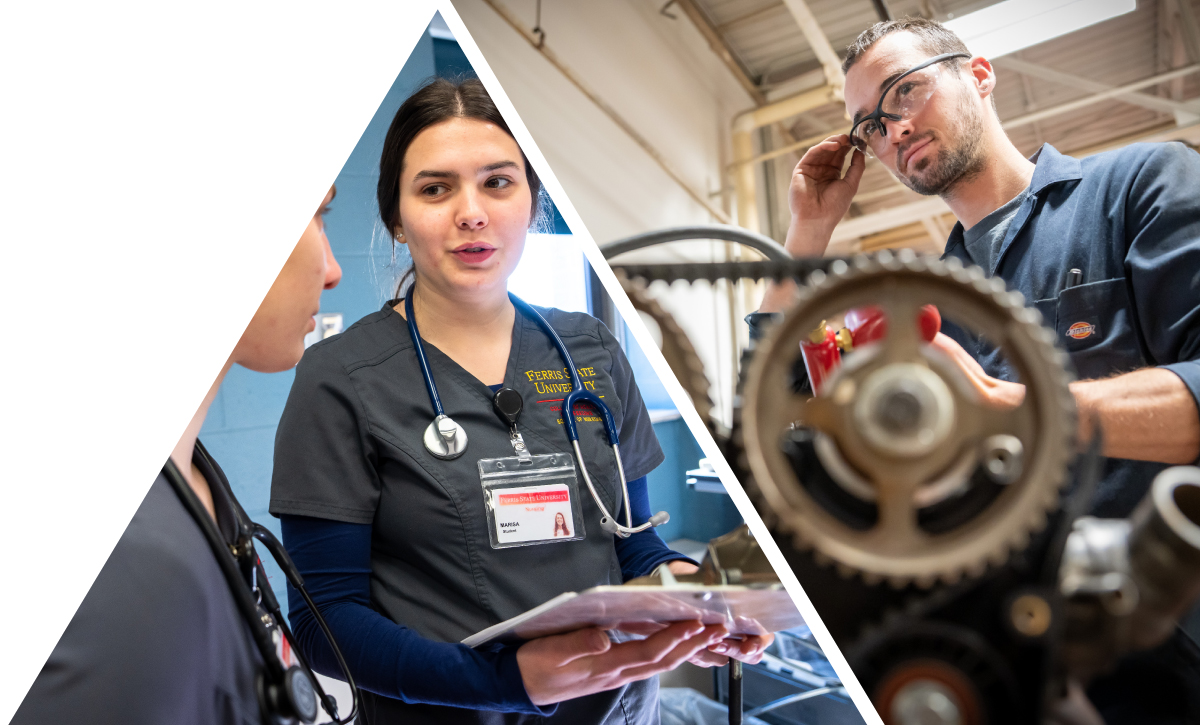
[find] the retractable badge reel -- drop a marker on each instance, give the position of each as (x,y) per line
(529,499)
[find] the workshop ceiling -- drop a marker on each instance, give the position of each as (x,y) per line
(1160,35)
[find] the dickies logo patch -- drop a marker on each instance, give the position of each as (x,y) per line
(1081,330)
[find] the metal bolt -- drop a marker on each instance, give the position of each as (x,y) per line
(1003,458)
(926,702)
(1031,615)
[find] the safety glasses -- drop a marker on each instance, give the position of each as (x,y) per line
(903,98)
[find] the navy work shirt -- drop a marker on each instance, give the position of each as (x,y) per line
(1130,221)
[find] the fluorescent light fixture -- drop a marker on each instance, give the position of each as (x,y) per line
(1015,24)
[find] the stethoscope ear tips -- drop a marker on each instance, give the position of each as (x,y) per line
(610,526)
(660,518)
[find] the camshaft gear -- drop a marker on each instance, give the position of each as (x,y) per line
(681,357)
(951,484)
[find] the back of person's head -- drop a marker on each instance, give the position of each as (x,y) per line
(932,37)
(437,101)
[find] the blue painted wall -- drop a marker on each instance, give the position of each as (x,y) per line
(696,516)
(240,428)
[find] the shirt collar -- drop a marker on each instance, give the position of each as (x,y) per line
(1050,167)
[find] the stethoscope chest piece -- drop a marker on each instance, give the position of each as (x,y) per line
(445,439)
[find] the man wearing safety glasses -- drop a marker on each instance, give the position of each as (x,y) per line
(1107,248)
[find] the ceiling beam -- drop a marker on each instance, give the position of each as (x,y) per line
(721,49)
(898,216)
(830,61)
(1033,70)
(1190,28)
(1096,98)
(716,43)
(801,145)
(785,109)
(751,15)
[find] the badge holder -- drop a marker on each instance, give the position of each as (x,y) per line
(529,499)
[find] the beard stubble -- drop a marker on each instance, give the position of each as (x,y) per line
(952,165)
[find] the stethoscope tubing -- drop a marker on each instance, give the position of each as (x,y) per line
(577,395)
(419,349)
(246,603)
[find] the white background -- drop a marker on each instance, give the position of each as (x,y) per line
(158,162)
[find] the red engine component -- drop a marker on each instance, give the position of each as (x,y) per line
(821,355)
(823,349)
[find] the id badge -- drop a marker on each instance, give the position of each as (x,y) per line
(531,500)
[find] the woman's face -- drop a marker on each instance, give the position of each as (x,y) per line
(274,340)
(464,208)
(559,520)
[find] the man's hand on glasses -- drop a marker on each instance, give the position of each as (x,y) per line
(820,195)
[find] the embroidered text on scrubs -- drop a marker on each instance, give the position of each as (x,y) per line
(538,378)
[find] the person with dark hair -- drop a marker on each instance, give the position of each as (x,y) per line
(159,638)
(398,535)
(1107,248)
(560,525)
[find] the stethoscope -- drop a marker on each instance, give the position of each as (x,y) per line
(286,694)
(446,439)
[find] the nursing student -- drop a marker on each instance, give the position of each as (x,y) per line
(159,637)
(396,544)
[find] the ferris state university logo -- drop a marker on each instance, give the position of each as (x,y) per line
(1081,330)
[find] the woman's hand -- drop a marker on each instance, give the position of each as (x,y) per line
(749,649)
(682,567)
(566,666)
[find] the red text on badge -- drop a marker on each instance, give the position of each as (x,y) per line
(528,497)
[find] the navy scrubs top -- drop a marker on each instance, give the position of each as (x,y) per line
(158,638)
(349,449)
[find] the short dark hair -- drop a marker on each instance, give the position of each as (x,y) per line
(934,38)
(438,100)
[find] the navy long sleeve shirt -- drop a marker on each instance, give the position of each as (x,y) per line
(392,660)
